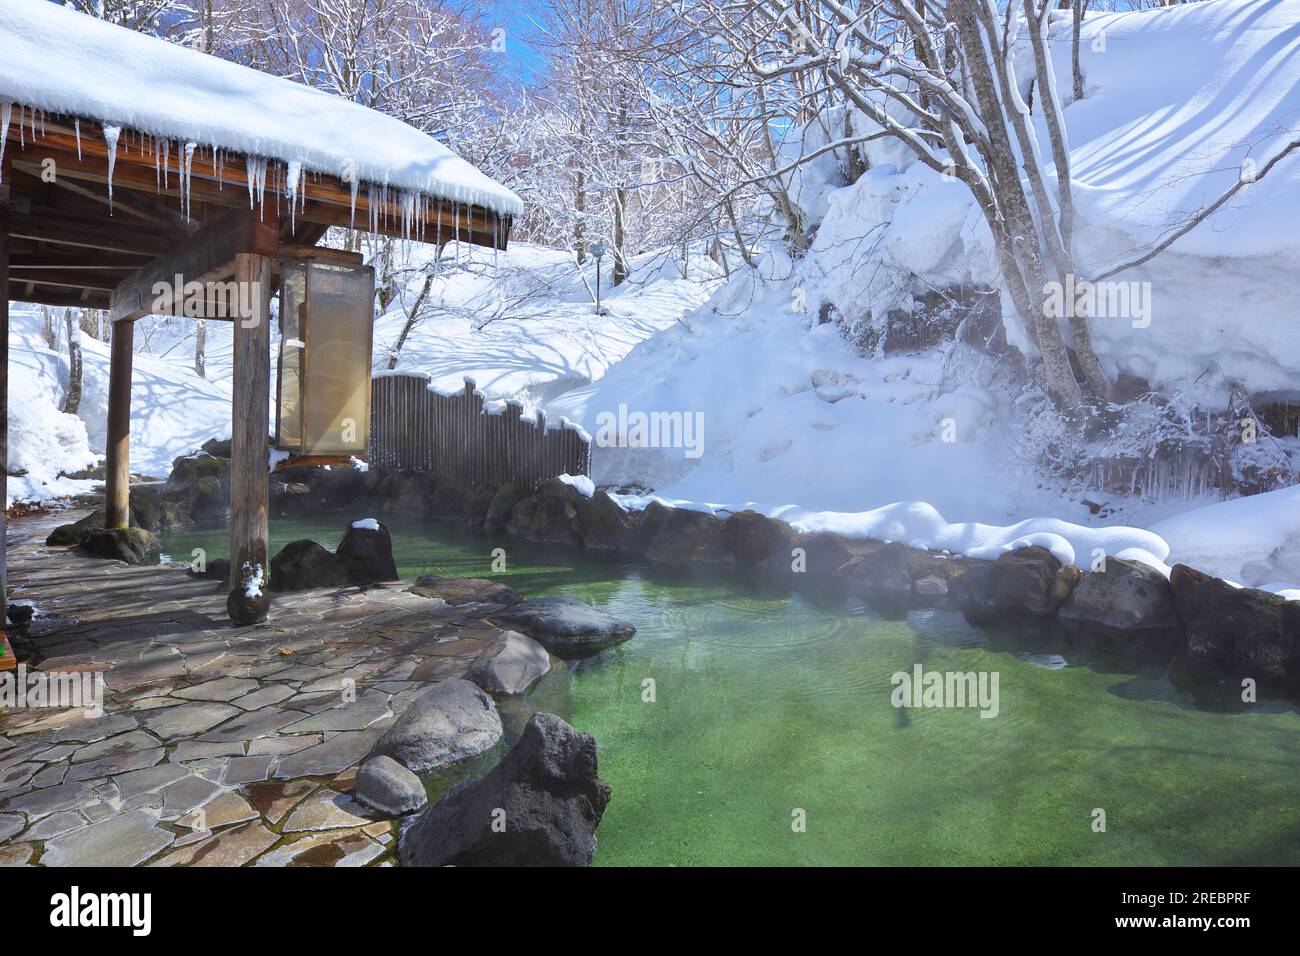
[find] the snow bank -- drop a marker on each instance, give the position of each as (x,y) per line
(1255,540)
(43,441)
(57,60)
(173,411)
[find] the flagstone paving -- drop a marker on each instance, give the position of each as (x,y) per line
(217,745)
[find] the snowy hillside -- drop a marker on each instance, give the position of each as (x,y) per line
(793,422)
(521,324)
(1149,147)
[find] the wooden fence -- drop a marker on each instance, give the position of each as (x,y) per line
(413,428)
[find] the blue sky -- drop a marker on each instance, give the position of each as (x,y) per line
(520,58)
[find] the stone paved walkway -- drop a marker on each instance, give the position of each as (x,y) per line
(218,745)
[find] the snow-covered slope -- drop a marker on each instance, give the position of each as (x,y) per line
(519,323)
(173,411)
(936,447)
(1179,103)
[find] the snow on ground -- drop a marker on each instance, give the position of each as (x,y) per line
(1149,147)
(173,411)
(520,323)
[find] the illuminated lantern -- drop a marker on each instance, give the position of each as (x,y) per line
(323,378)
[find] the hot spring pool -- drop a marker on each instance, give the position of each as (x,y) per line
(767,703)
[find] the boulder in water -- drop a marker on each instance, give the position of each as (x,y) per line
(511,665)
(539,807)
(566,626)
(366,553)
(303,565)
(452,720)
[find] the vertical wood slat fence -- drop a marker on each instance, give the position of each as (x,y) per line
(413,428)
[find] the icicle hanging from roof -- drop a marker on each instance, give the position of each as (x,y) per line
(6,111)
(111,135)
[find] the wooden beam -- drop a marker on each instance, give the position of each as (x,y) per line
(57,297)
(95,280)
(117,488)
(328,200)
(76,232)
(251,412)
(4,391)
(324,253)
(170,222)
(207,256)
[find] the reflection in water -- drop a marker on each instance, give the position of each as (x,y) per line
(766,702)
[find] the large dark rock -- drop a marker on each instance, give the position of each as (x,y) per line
(216,569)
(146,508)
(218,447)
(336,489)
(456,591)
(452,720)
(449,502)
(549,517)
(818,553)
(188,470)
(476,507)
(249,599)
(882,577)
(566,626)
(1235,633)
(412,499)
(545,800)
(753,537)
(502,504)
(1018,584)
(303,565)
(605,526)
(75,533)
(367,553)
(687,536)
(1127,596)
(132,545)
(208,500)
(171,514)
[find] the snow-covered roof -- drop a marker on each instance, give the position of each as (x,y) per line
(59,61)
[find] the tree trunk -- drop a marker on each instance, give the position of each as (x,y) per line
(413,316)
(200,348)
(72,401)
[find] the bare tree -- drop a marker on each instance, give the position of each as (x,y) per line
(72,401)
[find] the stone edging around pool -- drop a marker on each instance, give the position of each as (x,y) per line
(1214,636)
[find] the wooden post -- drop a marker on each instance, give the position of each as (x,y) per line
(117,484)
(4,393)
(251,412)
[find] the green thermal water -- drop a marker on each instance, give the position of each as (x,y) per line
(768,703)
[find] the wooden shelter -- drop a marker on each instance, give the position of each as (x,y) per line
(95,214)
